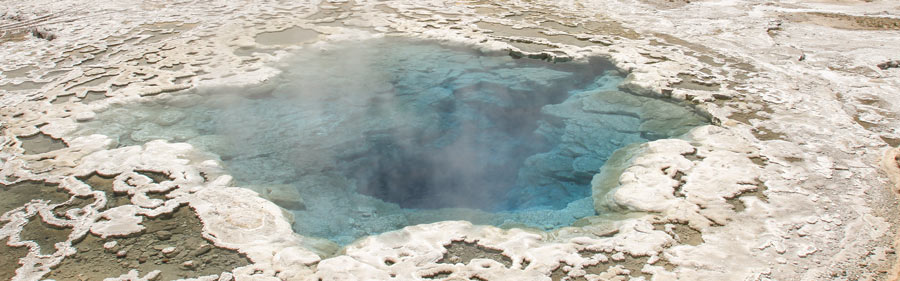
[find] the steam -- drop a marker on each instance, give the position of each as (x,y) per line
(400,128)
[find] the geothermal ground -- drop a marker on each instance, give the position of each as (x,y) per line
(788,168)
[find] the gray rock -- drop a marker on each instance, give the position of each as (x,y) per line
(163,235)
(203,249)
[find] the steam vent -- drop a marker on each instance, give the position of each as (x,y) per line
(450,140)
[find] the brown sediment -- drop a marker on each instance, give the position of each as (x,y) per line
(759,131)
(892,142)
(17,195)
(157,177)
(558,273)
(683,234)
(76,203)
(736,204)
(171,243)
(631,263)
(44,234)
(9,259)
(691,82)
(105,184)
(765,134)
(464,252)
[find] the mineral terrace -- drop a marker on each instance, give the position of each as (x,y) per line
(796,178)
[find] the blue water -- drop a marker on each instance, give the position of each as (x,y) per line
(378,135)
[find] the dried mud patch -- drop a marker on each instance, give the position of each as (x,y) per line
(464,252)
(170,243)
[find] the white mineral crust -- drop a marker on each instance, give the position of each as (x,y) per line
(792,181)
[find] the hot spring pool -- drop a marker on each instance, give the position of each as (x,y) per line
(378,135)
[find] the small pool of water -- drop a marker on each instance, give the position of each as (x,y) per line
(378,135)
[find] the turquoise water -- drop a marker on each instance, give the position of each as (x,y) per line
(378,135)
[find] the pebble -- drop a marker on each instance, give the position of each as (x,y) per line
(203,249)
(163,235)
(121,254)
(168,250)
(226,276)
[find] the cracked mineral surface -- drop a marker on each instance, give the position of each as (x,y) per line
(796,177)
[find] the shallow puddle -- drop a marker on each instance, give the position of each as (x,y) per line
(17,195)
(41,143)
(372,137)
(44,234)
(26,85)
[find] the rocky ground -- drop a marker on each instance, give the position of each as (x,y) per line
(793,181)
